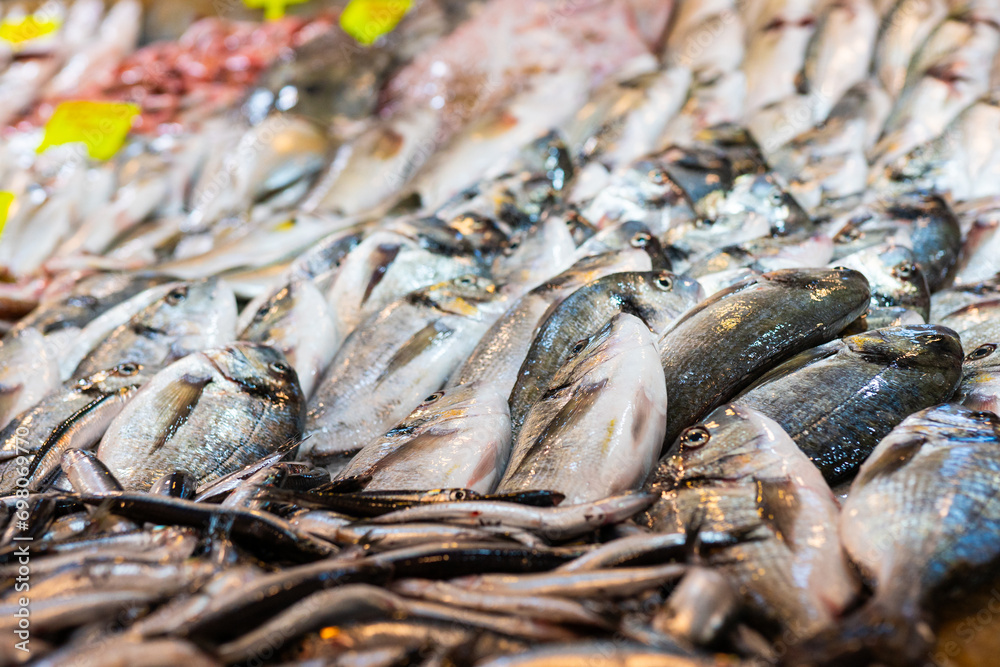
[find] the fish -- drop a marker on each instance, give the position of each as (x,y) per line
(739,470)
(977,324)
(904,30)
(980,387)
(959,296)
(918,220)
(836,401)
(921,504)
(296,320)
(208,414)
(395,359)
(893,276)
(744,319)
(656,297)
(456,438)
(29,371)
(73,417)
(597,429)
(498,357)
(188,318)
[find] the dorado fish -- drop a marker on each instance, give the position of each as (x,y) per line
(921,516)
(980,388)
(393,360)
(657,298)
(74,417)
(836,401)
(208,414)
(893,276)
(599,427)
(190,317)
(456,438)
(756,323)
(738,470)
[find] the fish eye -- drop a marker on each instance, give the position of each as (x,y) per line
(695,437)
(982,352)
(128,368)
(777,198)
(459,494)
(177,295)
(657,176)
(664,282)
(987,417)
(433,397)
(280,367)
(928,338)
(640,240)
(466,280)
(846,235)
(578,346)
(904,271)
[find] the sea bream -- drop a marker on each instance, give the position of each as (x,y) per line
(599,427)
(209,414)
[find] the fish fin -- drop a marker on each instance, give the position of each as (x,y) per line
(778,506)
(345,485)
(892,459)
(419,343)
(177,402)
(879,633)
(384,255)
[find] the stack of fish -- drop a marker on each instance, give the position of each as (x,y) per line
(617,332)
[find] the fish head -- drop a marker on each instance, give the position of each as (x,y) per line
(192,307)
(125,375)
(464,295)
(983,357)
(866,227)
(893,275)
(594,360)
(453,403)
(842,284)
(731,444)
(662,297)
(761,196)
(260,370)
(913,346)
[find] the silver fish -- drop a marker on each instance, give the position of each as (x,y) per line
(893,276)
(599,427)
(209,414)
(296,320)
(395,359)
(980,388)
(921,513)
(456,438)
(190,317)
(738,470)
(74,417)
(29,371)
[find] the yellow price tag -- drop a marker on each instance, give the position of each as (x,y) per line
(6,199)
(102,126)
(273,9)
(28,28)
(367,20)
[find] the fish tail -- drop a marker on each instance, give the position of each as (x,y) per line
(878,633)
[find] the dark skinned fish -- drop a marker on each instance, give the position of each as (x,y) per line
(738,470)
(836,401)
(208,414)
(755,323)
(657,298)
(921,516)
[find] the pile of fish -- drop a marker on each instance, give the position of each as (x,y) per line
(604,332)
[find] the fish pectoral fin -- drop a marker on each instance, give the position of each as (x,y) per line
(419,343)
(176,404)
(892,459)
(778,505)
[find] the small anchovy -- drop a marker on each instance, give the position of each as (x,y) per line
(137,653)
(449,559)
(615,582)
(556,523)
(549,608)
(594,654)
(647,549)
(369,503)
(230,613)
(258,531)
(215,490)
